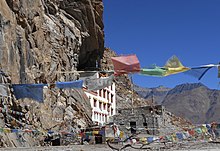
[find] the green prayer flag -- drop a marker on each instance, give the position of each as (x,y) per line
(198,130)
(156,71)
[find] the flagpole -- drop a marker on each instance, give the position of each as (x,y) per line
(132,96)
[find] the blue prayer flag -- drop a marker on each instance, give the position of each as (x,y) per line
(32,91)
(71,84)
(150,139)
(179,136)
(14,130)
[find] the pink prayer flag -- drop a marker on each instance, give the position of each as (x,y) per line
(126,64)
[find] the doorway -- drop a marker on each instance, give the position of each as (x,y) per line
(133,127)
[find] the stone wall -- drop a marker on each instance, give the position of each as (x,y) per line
(146,119)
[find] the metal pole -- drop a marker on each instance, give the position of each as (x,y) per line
(132,96)
(153,112)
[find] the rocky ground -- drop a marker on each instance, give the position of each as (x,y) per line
(189,146)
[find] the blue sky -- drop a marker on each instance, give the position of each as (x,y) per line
(155,30)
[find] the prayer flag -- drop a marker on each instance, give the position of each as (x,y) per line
(121,135)
(27,130)
(198,130)
(156,71)
(204,129)
(89,133)
(102,132)
(32,91)
(3,90)
(143,139)
(14,130)
(169,138)
(95,132)
(185,135)
(174,66)
(6,130)
(192,132)
(71,84)
(98,83)
(150,139)
(200,71)
(126,64)
(174,138)
(179,136)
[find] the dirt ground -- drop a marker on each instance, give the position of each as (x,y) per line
(189,146)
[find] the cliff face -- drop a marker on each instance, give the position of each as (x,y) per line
(49,35)
(39,40)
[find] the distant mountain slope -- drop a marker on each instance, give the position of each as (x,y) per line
(194,101)
(156,94)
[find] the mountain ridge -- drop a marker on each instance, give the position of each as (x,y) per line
(193,101)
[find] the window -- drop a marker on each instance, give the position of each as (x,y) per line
(104,95)
(112,98)
(100,93)
(105,118)
(107,95)
(95,115)
(95,102)
(104,106)
(100,105)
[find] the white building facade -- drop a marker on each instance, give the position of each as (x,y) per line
(103,103)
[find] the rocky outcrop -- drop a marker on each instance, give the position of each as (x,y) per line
(50,35)
(44,41)
(89,14)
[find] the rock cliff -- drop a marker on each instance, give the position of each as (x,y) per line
(44,41)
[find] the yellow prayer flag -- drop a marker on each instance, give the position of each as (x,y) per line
(121,134)
(6,130)
(95,132)
(204,129)
(143,139)
(174,66)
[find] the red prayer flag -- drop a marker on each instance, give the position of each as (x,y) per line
(126,64)
(192,132)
